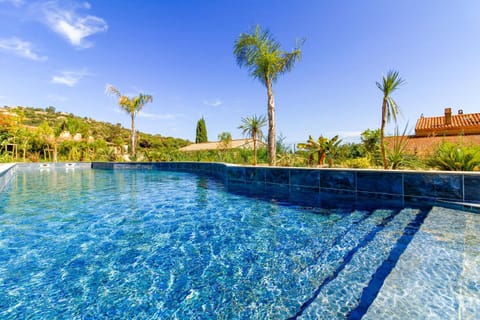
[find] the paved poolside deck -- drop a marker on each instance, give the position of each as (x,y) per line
(5,166)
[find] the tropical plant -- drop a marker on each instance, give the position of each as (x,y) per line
(397,155)
(131,106)
(389,107)
(322,147)
(261,54)
(331,149)
(201,132)
(454,157)
(252,127)
(310,147)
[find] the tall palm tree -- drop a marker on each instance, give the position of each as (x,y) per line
(131,106)
(265,61)
(252,127)
(389,107)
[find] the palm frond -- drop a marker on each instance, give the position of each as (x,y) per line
(110,89)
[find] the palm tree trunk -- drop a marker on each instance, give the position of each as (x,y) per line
(271,123)
(254,148)
(55,151)
(133,134)
(382,132)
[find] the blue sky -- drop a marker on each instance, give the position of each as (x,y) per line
(63,53)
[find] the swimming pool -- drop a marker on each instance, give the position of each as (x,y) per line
(133,244)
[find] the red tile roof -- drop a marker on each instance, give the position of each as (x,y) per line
(460,124)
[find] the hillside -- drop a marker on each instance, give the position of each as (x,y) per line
(34,134)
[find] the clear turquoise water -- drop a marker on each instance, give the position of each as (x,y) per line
(93,244)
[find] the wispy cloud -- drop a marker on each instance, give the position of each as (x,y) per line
(56,97)
(70,24)
(166,116)
(15,3)
(213,102)
(69,78)
(20,48)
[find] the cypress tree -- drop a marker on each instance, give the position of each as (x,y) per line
(201,135)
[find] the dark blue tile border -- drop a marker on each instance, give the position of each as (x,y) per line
(307,178)
(277,176)
(327,187)
(338,179)
(471,186)
(380,182)
(337,187)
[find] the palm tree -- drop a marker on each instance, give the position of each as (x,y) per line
(252,127)
(389,107)
(265,61)
(131,106)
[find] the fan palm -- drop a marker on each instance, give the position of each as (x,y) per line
(131,106)
(262,56)
(389,107)
(252,127)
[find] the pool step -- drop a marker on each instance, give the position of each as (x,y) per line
(333,258)
(469,294)
(343,291)
(438,275)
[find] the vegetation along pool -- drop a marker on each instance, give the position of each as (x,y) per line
(136,244)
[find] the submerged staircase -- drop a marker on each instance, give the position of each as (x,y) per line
(404,264)
(364,256)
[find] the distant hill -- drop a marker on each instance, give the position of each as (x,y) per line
(31,131)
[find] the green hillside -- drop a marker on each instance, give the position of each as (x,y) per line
(36,134)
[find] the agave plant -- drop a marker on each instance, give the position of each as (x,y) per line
(397,155)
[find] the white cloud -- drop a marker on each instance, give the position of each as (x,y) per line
(72,25)
(20,48)
(213,102)
(56,97)
(69,78)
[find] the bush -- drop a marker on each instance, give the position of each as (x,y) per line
(358,163)
(453,157)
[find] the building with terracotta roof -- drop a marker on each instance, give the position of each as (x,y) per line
(219,145)
(448,124)
(430,132)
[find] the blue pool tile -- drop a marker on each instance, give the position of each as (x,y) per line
(333,179)
(237,187)
(380,182)
(331,198)
(277,192)
(308,178)
(305,196)
(236,174)
(279,176)
(472,188)
(379,200)
(255,174)
(441,186)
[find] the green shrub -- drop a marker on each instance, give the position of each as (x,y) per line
(359,163)
(454,157)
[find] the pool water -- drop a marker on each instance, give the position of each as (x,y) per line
(132,244)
